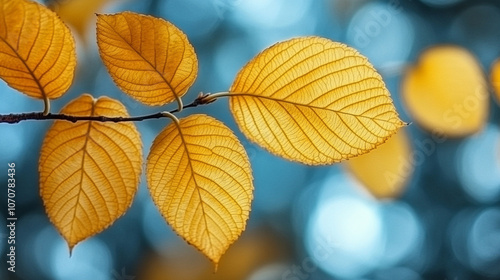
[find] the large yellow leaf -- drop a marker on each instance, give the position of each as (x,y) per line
(89,171)
(37,51)
(386,170)
(148,58)
(200,178)
(446,91)
(314,101)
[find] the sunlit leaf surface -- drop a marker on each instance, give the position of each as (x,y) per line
(148,58)
(89,171)
(314,101)
(200,178)
(37,51)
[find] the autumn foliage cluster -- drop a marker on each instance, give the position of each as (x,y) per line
(308,99)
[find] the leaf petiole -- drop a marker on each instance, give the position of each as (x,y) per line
(209,98)
(46,103)
(181,105)
(171,116)
(220,94)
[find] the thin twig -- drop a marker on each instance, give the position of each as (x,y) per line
(16,118)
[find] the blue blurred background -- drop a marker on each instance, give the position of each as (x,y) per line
(306,222)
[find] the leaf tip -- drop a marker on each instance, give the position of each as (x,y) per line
(101,17)
(71,246)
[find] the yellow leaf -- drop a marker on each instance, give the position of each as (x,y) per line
(446,92)
(200,178)
(148,58)
(37,51)
(314,101)
(385,170)
(89,171)
(495,78)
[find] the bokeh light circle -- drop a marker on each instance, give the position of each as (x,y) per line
(344,235)
(382,32)
(478,165)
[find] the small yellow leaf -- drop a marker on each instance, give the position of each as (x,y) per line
(314,101)
(446,92)
(385,170)
(148,58)
(37,51)
(200,178)
(495,78)
(89,171)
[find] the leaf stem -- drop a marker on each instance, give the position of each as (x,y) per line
(46,103)
(179,102)
(214,96)
(171,116)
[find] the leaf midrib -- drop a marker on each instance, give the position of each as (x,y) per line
(309,106)
(42,91)
(184,143)
(84,149)
(143,58)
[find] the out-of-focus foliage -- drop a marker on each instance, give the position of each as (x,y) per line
(446,91)
(386,170)
(79,14)
(495,78)
(256,248)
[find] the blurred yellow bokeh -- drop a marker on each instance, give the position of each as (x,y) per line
(446,91)
(385,171)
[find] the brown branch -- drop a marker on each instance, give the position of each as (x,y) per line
(15,118)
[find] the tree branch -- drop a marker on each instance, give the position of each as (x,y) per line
(202,99)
